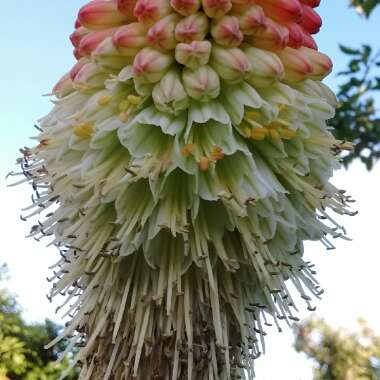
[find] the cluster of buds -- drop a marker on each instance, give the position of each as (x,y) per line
(226,40)
(190,157)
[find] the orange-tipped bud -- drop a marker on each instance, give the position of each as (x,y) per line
(297,65)
(92,40)
(283,11)
(320,62)
(252,19)
(193,55)
(101,15)
(162,35)
(216,8)
(231,64)
(202,84)
(130,39)
(150,65)
(311,21)
(226,31)
(296,34)
(149,11)
(192,28)
(186,7)
(274,36)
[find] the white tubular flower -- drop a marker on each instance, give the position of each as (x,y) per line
(186,160)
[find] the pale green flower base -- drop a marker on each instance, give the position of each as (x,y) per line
(171,270)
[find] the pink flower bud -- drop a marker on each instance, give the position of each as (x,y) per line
(193,55)
(252,19)
(202,84)
(296,34)
(297,66)
(77,67)
(267,68)
(63,87)
(320,62)
(101,15)
(186,7)
(126,7)
(216,8)
(77,24)
(108,56)
(194,27)
(231,64)
(92,40)
(78,35)
(274,36)
(226,31)
(311,21)
(130,39)
(162,35)
(149,11)
(150,65)
(308,40)
(169,95)
(282,10)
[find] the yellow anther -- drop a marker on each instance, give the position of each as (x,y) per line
(274,134)
(258,133)
(134,99)
(124,117)
(217,153)
(104,100)
(281,107)
(287,133)
(84,130)
(188,149)
(204,164)
(124,105)
(247,132)
(252,114)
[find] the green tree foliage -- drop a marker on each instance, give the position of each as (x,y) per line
(365,6)
(339,354)
(22,353)
(358,118)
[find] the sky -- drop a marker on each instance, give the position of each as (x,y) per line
(36,52)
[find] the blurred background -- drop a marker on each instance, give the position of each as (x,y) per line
(340,341)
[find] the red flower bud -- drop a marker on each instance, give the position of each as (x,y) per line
(311,21)
(283,11)
(101,15)
(296,34)
(92,40)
